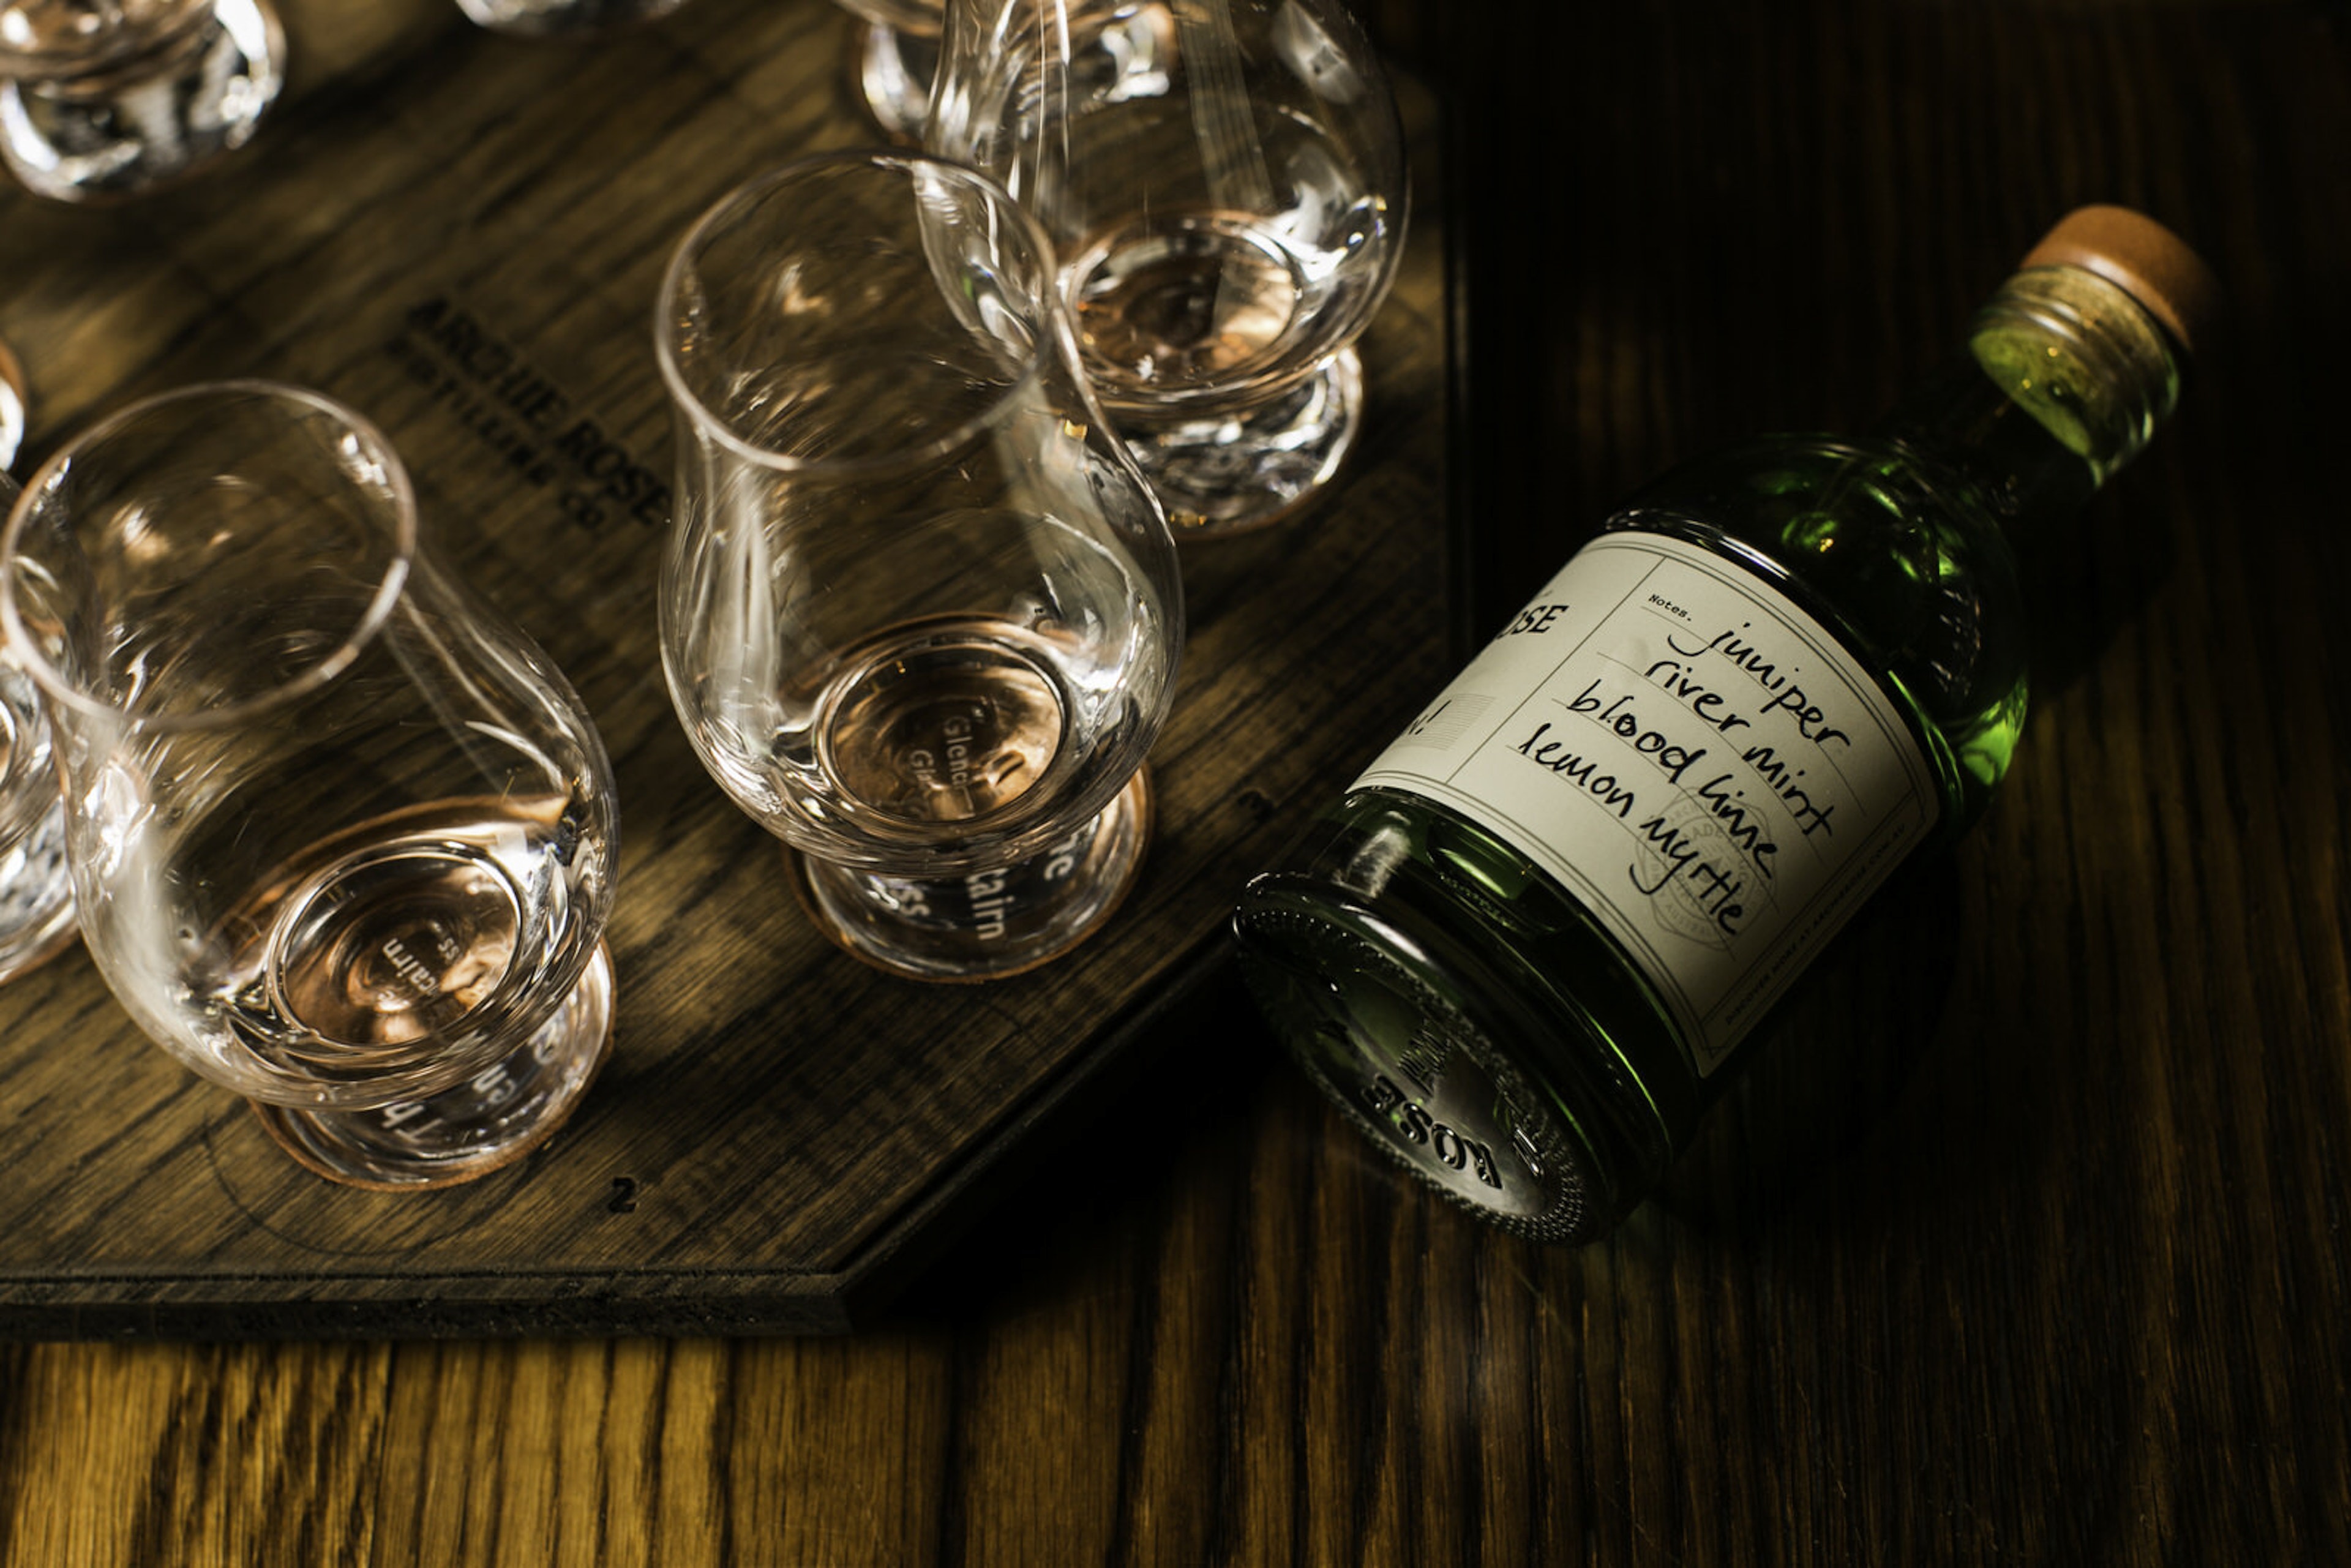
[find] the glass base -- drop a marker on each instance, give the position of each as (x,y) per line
(491,1120)
(131,126)
(892,71)
(987,923)
(37,907)
(1228,473)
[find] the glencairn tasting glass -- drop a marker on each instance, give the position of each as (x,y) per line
(343,838)
(1523,949)
(101,99)
(919,612)
(1225,179)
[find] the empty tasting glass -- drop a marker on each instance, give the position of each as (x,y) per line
(919,612)
(101,99)
(343,838)
(1225,181)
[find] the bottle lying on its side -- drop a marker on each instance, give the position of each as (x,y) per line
(1523,948)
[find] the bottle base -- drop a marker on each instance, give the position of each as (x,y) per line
(1409,1042)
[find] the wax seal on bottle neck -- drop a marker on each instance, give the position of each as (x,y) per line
(2143,259)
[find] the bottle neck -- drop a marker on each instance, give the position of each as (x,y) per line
(2065,380)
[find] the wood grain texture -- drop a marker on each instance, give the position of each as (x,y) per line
(461,235)
(2026,1238)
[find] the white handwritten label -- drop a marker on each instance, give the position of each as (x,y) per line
(1691,755)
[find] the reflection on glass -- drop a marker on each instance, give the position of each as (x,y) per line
(897,53)
(559,18)
(36,912)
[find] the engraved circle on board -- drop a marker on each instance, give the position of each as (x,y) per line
(275,1194)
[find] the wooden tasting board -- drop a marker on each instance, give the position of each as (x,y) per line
(448,229)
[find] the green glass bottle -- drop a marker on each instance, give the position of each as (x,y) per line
(1523,949)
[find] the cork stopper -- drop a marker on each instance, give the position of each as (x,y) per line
(2143,259)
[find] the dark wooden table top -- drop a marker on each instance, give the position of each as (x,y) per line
(2026,1238)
